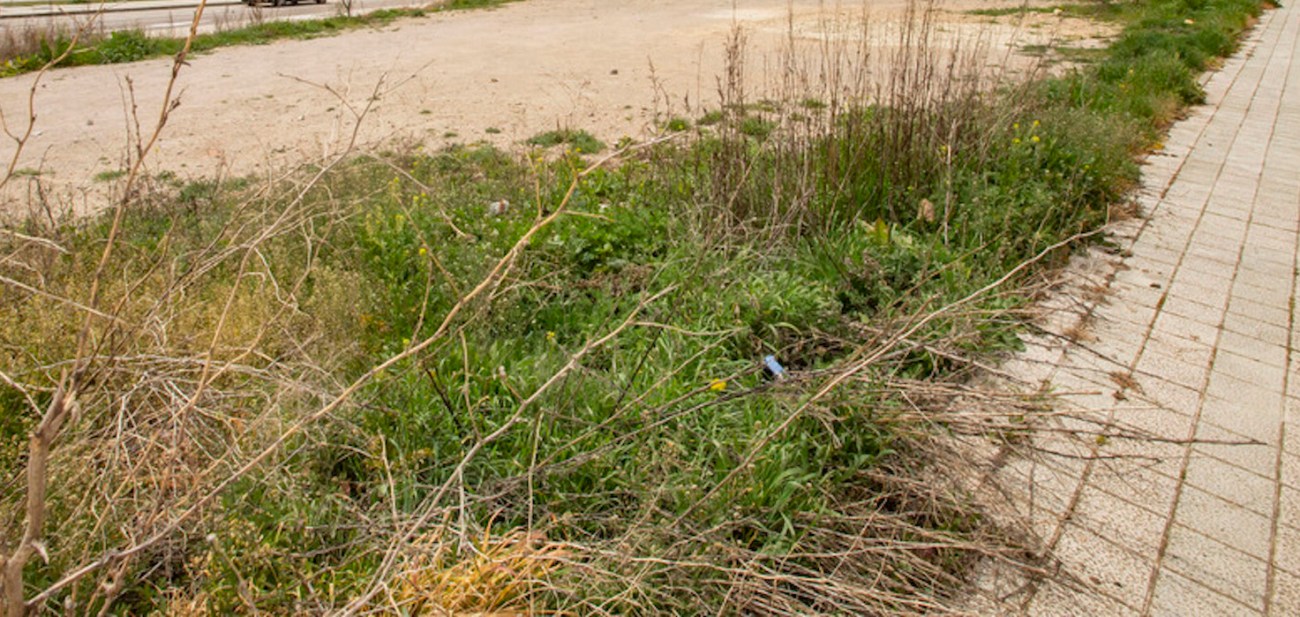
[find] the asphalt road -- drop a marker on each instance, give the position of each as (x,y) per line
(174,16)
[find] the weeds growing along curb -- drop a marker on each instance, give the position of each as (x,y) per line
(23,50)
(36,46)
(467,382)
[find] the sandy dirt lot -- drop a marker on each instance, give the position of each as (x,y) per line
(499,75)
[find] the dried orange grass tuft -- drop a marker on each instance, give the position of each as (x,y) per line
(494,577)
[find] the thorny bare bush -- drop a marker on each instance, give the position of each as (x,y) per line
(166,383)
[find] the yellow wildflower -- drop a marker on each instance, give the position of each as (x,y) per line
(718,385)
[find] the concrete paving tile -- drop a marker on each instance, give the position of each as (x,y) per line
(1233,192)
(1171,225)
(1139,278)
(1271,238)
(1184,328)
(1289,507)
(1057,600)
(1237,170)
(1270,352)
(1177,596)
(1158,270)
(1268,313)
(1264,331)
(1048,488)
(1123,312)
(1197,311)
(1287,553)
(1226,522)
(1263,376)
(1137,528)
(1217,244)
(1216,272)
(1270,295)
(1096,560)
(1150,483)
(1228,257)
(1195,353)
(1170,396)
(1223,387)
(1169,250)
(1198,166)
(1277,222)
(1244,488)
(1244,417)
(1218,229)
(1117,345)
(1155,366)
(1291,440)
(1286,595)
(1217,566)
(1264,266)
(1236,449)
(1093,369)
(1078,391)
(1063,449)
(1158,421)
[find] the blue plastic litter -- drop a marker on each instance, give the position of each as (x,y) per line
(774,368)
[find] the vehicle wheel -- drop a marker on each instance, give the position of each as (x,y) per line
(320,1)
(276,2)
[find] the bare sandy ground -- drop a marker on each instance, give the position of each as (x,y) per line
(500,75)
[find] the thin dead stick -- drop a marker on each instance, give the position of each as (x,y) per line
(45,242)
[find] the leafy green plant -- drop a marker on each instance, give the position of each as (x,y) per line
(580,140)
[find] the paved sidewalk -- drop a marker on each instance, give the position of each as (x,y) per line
(1173,485)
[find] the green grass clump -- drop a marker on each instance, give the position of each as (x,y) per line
(109,175)
(677,125)
(710,118)
(757,127)
(580,140)
(461,5)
